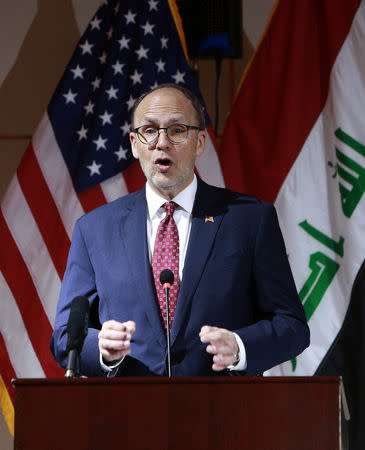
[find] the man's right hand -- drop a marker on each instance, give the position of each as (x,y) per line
(115,339)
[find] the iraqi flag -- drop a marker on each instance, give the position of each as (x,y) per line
(296,134)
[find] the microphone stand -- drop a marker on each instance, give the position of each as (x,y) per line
(73,364)
(166,289)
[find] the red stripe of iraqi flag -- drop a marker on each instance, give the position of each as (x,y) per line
(283,93)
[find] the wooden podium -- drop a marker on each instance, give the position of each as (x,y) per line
(274,413)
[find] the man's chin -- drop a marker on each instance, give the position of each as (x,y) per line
(166,185)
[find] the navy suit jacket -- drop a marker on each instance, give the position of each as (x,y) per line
(236,276)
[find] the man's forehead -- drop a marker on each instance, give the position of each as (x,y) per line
(165,99)
(165,91)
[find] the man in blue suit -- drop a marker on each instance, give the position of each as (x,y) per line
(237,308)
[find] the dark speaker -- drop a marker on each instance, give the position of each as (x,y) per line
(213,28)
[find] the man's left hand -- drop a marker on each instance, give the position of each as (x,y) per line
(222,345)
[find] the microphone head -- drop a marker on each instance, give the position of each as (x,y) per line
(166,276)
(77,325)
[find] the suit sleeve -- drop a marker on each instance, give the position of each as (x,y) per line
(79,279)
(280,332)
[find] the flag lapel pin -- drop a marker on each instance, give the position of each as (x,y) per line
(209,219)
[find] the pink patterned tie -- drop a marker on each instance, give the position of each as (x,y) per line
(166,256)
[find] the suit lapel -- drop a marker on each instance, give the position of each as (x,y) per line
(134,237)
(205,224)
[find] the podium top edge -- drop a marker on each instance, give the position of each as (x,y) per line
(180,380)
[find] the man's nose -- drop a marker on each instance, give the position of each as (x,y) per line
(162,139)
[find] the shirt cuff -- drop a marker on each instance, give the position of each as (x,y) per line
(109,368)
(242,362)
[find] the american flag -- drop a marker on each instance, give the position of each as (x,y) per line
(80,158)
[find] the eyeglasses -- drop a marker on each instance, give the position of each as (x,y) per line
(176,133)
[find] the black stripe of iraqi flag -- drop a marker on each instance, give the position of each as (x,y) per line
(346,357)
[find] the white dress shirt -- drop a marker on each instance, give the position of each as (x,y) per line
(183,217)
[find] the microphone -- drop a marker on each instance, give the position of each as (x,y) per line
(167,280)
(77,328)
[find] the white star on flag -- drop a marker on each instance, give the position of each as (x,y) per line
(164,40)
(121,153)
(153,5)
(89,108)
(110,32)
(160,65)
(112,92)
(95,23)
(86,48)
(117,67)
(106,117)
(136,77)
(102,58)
(70,97)
(125,128)
(178,77)
(142,52)
(130,17)
(82,132)
(124,42)
(96,83)
(78,72)
(130,102)
(100,143)
(94,168)
(148,28)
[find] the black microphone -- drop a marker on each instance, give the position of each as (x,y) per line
(167,280)
(77,328)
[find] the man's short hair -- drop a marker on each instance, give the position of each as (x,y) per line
(187,93)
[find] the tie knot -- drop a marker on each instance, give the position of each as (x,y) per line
(170,208)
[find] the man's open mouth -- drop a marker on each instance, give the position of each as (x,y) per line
(163,164)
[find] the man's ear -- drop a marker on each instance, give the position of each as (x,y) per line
(133,141)
(202,142)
